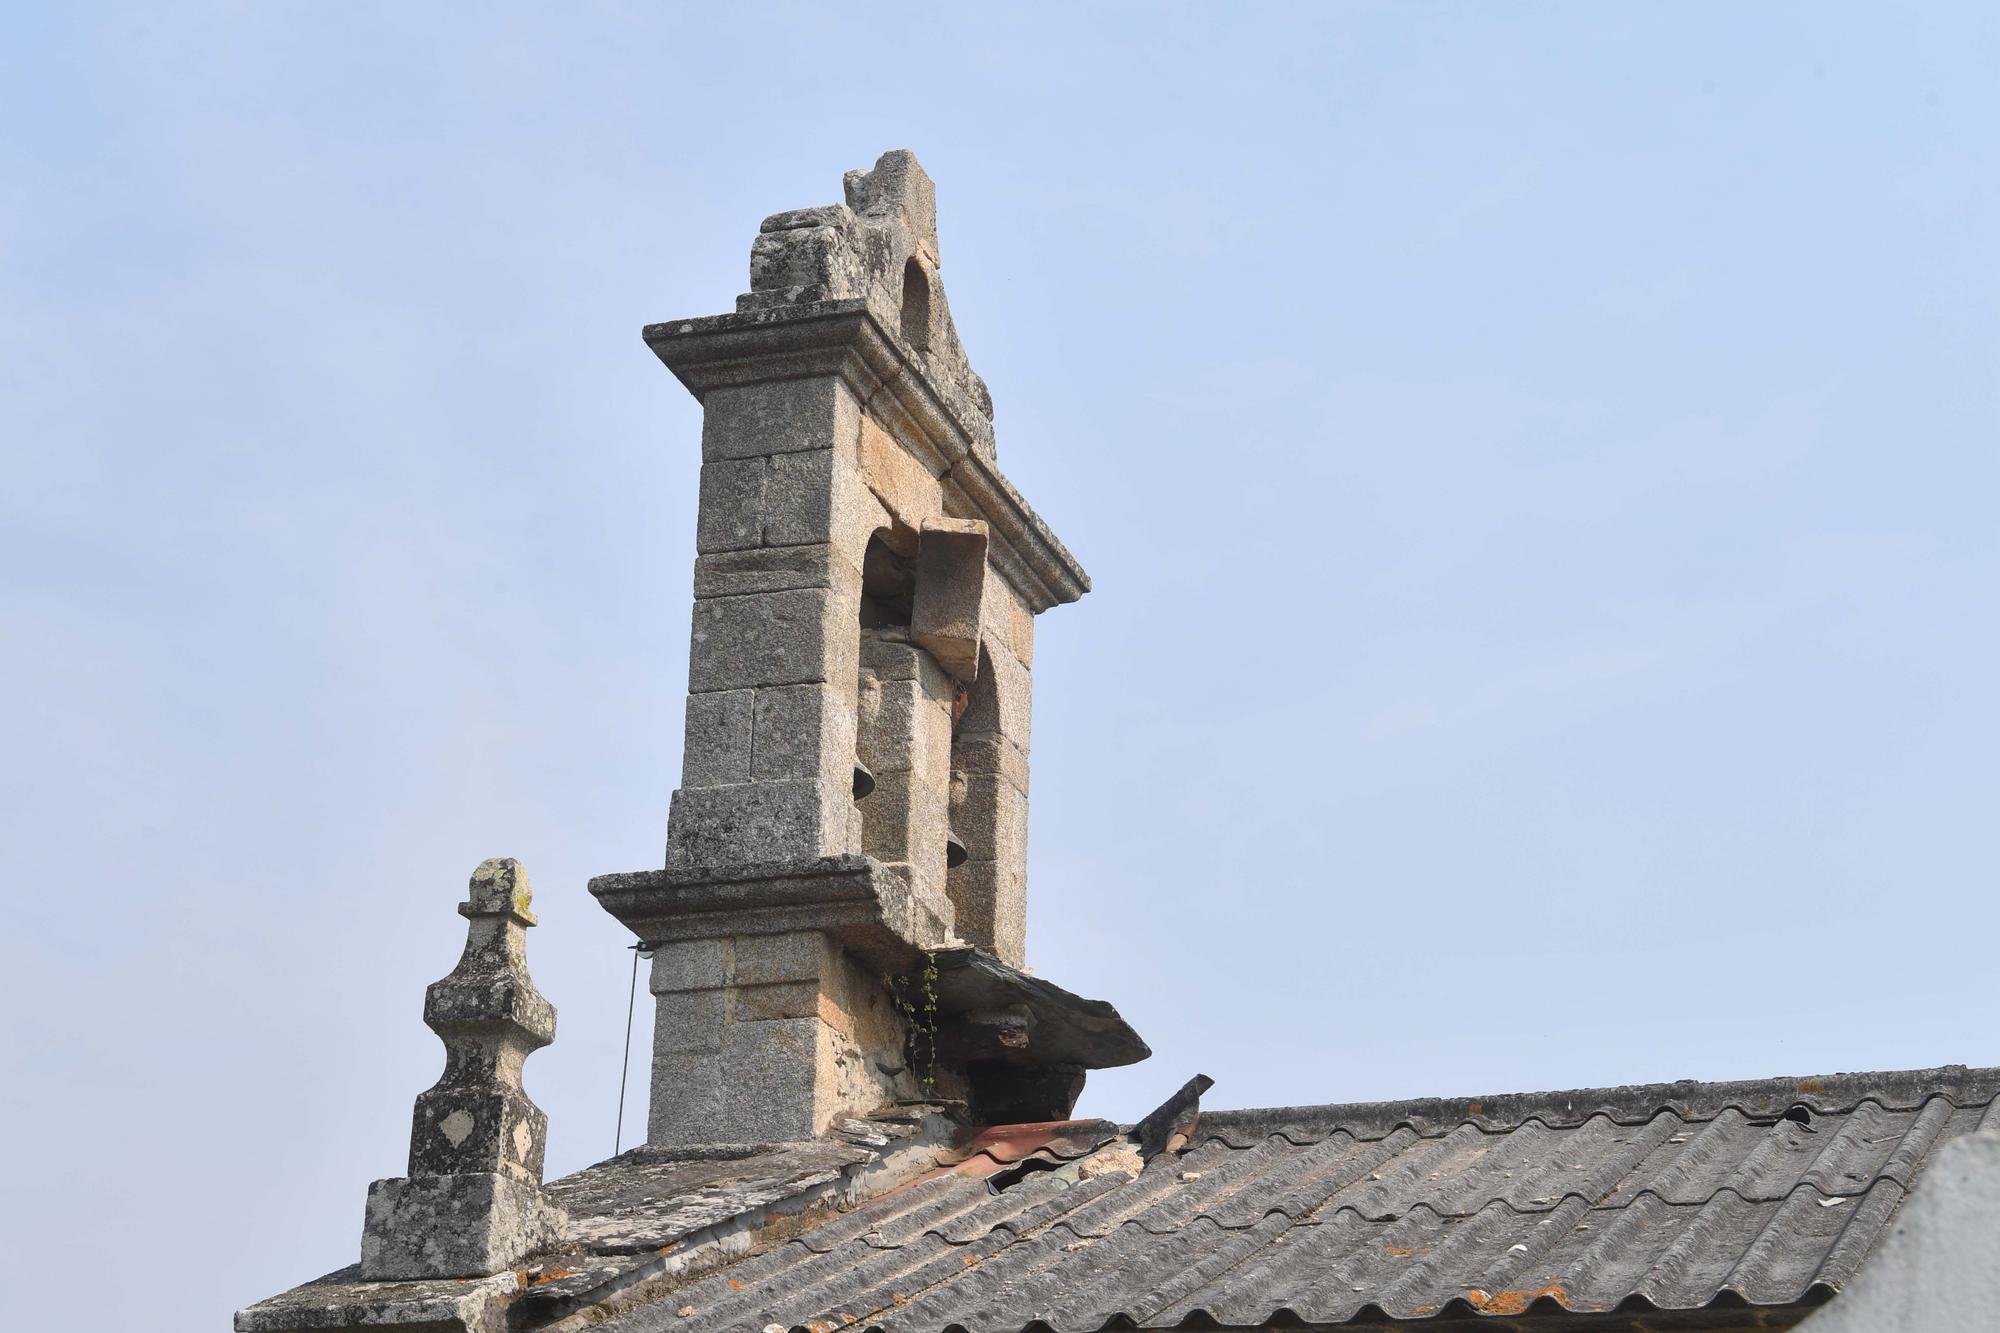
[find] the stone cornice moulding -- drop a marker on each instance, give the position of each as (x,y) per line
(865,904)
(932,421)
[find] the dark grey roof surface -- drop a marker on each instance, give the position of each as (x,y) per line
(1675,1197)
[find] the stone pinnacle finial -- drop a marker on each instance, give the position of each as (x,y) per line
(473,1204)
(898,186)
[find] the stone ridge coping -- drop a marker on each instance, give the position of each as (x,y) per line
(341,1300)
(1756,1099)
(846,337)
(635,1219)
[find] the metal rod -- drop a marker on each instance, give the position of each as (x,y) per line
(625,1066)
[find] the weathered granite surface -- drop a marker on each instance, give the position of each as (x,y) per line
(472,1204)
(633,1222)
(866,583)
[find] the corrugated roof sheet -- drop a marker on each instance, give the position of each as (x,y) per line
(1671,1197)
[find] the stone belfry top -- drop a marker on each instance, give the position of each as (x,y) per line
(853,289)
(853,806)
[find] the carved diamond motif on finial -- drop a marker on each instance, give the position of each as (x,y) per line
(473,1204)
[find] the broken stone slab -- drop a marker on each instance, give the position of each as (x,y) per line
(990,1011)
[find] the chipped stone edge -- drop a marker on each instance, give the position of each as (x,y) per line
(475,1305)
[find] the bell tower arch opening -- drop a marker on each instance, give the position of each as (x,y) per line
(916,305)
(903,711)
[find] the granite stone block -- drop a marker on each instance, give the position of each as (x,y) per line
(775,569)
(804,955)
(686,1106)
(718,745)
(823,215)
(732,513)
(771,1076)
(906,725)
(773,638)
(750,823)
(906,487)
(898,186)
(689,1021)
(792,999)
(1007,617)
(951,586)
(488,1125)
(990,816)
(990,907)
(469,1225)
(686,965)
(1002,698)
(798,498)
(820,258)
(904,822)
(890,654)
(990,753)
(776,417)
(803,731)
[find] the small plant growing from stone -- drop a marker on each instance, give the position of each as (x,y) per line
(916,999)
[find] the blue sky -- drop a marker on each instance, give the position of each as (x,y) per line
(1537,463)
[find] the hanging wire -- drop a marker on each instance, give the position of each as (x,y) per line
(639,951)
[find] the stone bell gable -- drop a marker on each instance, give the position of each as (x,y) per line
(880,247)
(854,788)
